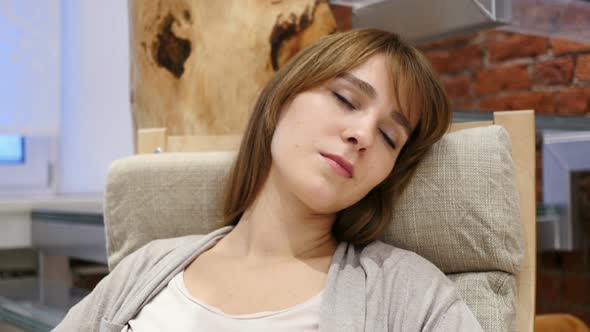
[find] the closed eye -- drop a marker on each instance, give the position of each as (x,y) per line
(349,105)
(389,141)
(343,100)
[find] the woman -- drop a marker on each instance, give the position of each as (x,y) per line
(333,138)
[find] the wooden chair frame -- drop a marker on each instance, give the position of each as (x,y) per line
(521,128)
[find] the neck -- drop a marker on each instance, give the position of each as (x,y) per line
(278,226)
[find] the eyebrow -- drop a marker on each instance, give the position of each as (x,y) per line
(368,89)
(365,87)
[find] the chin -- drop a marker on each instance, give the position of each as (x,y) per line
(321,198)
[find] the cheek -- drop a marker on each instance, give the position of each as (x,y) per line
(381,168)
(290,145)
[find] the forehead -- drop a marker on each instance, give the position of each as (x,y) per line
(375,72)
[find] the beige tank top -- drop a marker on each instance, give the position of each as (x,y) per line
(174,309)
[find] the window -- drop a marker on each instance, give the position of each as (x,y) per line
(12,149)
(26,164)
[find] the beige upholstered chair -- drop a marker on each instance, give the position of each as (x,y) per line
(469,209)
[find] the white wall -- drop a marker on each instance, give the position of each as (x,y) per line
(30,90)
(30,66)
(95,115)
(65,69)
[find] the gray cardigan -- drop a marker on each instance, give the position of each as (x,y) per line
(378,288)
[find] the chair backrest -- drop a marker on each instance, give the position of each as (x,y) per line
(469,185)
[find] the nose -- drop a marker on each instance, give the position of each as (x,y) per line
(361,135)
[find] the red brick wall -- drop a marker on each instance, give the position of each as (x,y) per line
(497,70)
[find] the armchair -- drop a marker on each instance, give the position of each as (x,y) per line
(469,209)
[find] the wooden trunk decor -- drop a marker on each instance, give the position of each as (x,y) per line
(198,65)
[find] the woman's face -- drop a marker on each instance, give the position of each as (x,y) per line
(351,119)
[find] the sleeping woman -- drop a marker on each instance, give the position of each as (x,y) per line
(332,141)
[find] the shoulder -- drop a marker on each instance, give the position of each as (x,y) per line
(398,278)
(407,280)
(170,249)
(157,250)
(165,246)
(133,281)
(387,258)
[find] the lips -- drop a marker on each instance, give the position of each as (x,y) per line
(341,162)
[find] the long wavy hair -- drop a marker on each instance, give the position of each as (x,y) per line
(364,221)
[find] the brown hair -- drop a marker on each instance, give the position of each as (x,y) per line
(323,60)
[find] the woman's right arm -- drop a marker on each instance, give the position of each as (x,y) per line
(87,314)
(106,299)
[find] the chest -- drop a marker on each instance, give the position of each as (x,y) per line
(242,288)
